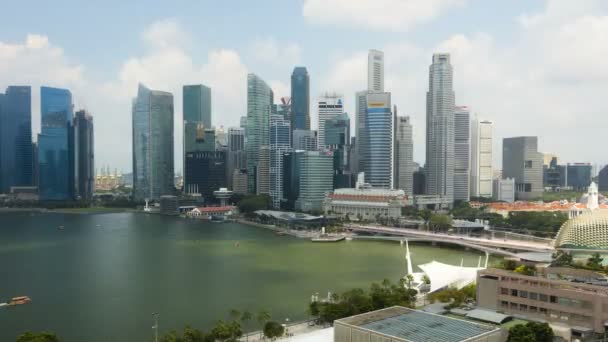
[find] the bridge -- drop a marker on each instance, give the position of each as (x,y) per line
(504,246)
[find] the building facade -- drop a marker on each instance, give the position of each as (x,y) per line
(84,156)
(504,190)
(153,167)
(236,154)
(337,138)
(404,155)
(360,129)
(462,153)
(197,104)
(481,158)
(575,176)
(55,145)
(440,128)
(280,143)
(365,203)
(16,160)
(315,179)
(259,106)
(375,71)
(603,179)
(376,145)
(291,178)
(300,99)
(262,176)
(304,140)
(522,162)
(208,173)
(329,105)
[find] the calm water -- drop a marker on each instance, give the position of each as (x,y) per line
(102,276)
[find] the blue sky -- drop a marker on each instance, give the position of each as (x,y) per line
(529,65)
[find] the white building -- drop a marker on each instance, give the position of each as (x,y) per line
(375,71)
(329,106)
(404,155)
(462,153)
(481,158)
(504,190)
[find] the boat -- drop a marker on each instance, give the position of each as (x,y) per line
(18,301)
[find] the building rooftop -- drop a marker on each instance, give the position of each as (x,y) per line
(417,326)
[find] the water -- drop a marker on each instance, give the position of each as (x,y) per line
(102,276)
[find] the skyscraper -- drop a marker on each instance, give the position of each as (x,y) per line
(16,163)
(404,155)
(280,143)
(300,99)
(304,140)
(84,158)
(377,141)
(481,158)
(375,71)
(259,105)
(262,176)
(462,153)
(337,138)
(329,105)
(197,104)
(360,129)
(55,145)
(207,170)
(522,161)
(440,128)
(152,144)
(237,156)
(315,179)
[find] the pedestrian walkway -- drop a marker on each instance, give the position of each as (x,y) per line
(295,332)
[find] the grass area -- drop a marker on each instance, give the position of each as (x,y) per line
(512,322)
(562,195)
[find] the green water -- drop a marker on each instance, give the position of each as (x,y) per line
(102,276)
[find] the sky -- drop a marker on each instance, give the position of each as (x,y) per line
(534,67)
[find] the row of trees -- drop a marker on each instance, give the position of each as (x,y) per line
(594,263)
(454,296)
(358,301)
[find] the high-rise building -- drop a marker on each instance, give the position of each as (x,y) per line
(84,157)
(280,143)
(337,139)
(376,143)
(239,181)
(304,140)
(522,162)
(404,155)
(462,154)
(236,156)
(55,145)
(207,170)
(262,176)
(575,176)
(440,129)
(197,104)
(375,71)
(291,178)
(16,160)
(259,105)
(300,99)
(481,158)
(315,179)
(360,129)
(329,105)
(153,167)
(603,179)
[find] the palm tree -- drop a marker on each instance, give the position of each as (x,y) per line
(263,317)
(246,317)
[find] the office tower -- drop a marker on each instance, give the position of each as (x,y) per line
(84,158)
(300,99)
(243,122)
(404,155)
(481,158)
(207,170)
(503,190)
(353,159)
(440,128)
(280,142)
(337,140)
(304,140)
(55,145)
(603,179)
(283,109)
(262,176)
(259,103)
(462,154)
(375,71)
(522,162)
(329,105)
(291,178)
(153,168)
(16,161)
(576,176)
(236,154)
(360,129)
(221,139)
(197,104)
(376,143)
(315,179)
(419,181)
(239,181)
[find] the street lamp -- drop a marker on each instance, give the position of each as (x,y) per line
(155,326)
(286,324)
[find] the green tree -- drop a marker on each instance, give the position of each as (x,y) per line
(440,222)
(426,279)
(521,333)
(37,337)
(246,317)
(262,317)
(561,258)
(273,329)
(595,261)
(525,270)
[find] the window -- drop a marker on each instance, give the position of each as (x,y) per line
(514,293)
(523,307)
(533,309)
(553,299)
(528,164)
(504,291)
(523,294)
(533,295)
(543,297)
(543,311)
(504,304)
(527,187)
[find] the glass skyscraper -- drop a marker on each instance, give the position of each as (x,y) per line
(197,104)
(376,146)
(84,160)
(300,99)
(55,145)
(280,143)
(259,106)
(152,144)
(462,154)
(337,139)
(315,179)
(16,163)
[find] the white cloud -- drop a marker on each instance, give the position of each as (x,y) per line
(391,15)
(269,50)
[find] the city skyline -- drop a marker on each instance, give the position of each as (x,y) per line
(523,89)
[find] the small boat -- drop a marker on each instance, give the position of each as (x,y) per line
(60,227)
(19,300)
(236,244)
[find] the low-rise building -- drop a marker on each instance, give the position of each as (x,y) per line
(558,295)
(504,190)
(365,203)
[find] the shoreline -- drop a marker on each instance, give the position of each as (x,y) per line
(78,211)
(279,230)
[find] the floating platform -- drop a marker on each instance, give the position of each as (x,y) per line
(328,239)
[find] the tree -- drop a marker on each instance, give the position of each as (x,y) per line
(531,332)
(440,222)
(246,317)
(273,329)
(425,214)
(561,258)
(37,337)
(426,279)
(525,270)
(227,331)
(262,317)
(595,261)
